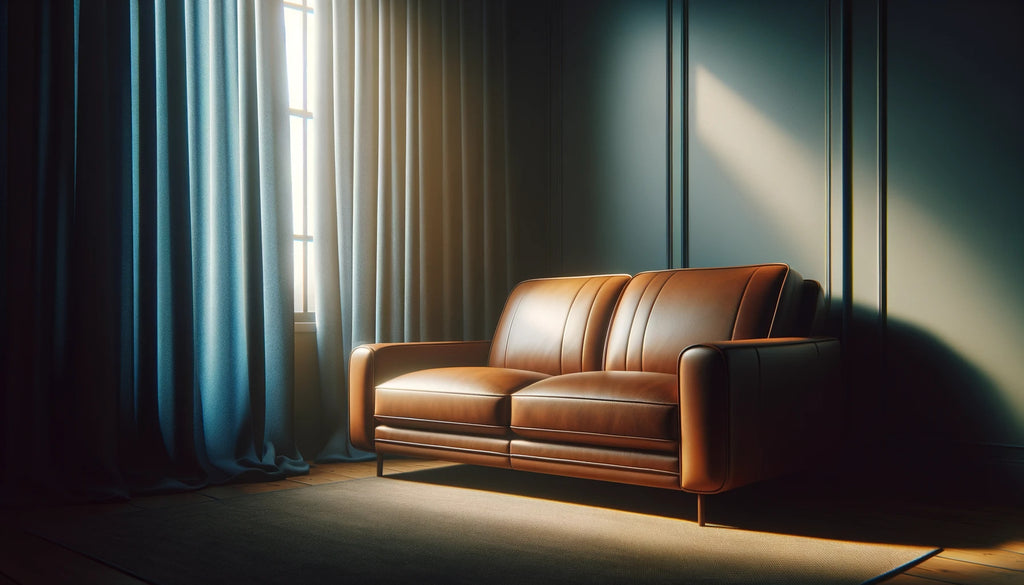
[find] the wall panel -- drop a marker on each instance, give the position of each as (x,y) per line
(615,132)
(759,141)
(955,246)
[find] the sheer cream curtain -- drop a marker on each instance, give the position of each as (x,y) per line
(412,225)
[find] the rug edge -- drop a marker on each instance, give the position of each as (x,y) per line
(904,567)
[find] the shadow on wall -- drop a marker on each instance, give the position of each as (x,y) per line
(915,406)
(954,247)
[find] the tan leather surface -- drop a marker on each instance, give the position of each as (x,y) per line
(626,459)
(704,423)
(373,363)
(662,312)
(698,388)
(760,301)
(449,441)
(755,409)
(556,325)
(444,453)
(636,410)
(459,399)
(592,471)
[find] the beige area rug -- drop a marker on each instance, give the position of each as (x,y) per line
(445,526)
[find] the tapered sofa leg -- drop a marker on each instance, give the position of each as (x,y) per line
(700,509)
(380,465)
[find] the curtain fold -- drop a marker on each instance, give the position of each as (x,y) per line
(412,218)
(147,240)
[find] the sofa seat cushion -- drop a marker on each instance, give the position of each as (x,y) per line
(459,399)
(628,410)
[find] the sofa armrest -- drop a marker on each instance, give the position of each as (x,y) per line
(375,363)
(755,409)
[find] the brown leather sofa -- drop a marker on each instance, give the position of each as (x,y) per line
(700,380)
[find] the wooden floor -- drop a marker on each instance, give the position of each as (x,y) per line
(982,542)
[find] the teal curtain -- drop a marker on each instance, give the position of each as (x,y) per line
(147,247)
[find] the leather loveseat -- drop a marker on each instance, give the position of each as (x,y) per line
(700,380)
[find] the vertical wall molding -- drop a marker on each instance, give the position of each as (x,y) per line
(670,131)
(829,148)
(556,39)
(846,208)
(837,159)
(677,134)
(883,158)
(685,144)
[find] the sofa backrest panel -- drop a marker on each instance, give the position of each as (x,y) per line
(662,312)
(556,325)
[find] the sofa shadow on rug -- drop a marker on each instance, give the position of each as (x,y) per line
(799,505)
(896,455)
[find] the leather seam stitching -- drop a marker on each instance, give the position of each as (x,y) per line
(632,321)
(778,304)
(593,434)
(647,321)
(450,393)
(444,448)
(433,420)
(587,324)
(508,333)
(588,399)
(565,325)
(728,422)
(739,306)
(373,396)
(591,464)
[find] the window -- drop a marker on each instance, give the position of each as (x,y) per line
(298,21)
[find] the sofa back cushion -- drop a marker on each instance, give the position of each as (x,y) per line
(556,325)
(662,312)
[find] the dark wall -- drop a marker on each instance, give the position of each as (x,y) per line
(613,112)
(530,85)
(875,146)
(955,203)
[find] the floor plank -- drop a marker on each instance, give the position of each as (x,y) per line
(964,573)
(1004,559)
(356,472)
(317,476)
(905,579)
(26,559)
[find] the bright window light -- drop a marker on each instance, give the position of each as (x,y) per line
(298,21)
